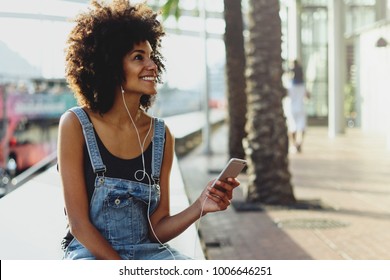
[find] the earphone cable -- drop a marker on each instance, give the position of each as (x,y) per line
(144,172)
(139,139)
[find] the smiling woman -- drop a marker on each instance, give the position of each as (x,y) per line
(114,158)
(138,64)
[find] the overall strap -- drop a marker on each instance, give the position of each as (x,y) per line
(158,149)
(90,141)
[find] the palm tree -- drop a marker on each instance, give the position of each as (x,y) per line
(266,144)
(235,76)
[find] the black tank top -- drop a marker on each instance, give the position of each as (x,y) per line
(116,167)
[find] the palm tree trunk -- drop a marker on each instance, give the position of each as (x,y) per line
(266,144)
(235,76)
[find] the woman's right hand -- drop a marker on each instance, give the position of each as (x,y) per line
(217,198)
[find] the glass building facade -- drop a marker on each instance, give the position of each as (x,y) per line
(312,46)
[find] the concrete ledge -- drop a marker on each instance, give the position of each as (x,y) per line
(188,242)
(187,128)
(32,220)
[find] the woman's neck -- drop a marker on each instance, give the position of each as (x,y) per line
(123,106)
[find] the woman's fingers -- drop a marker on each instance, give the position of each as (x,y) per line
(221,201)
(226,187)
(221,197)
(221,193)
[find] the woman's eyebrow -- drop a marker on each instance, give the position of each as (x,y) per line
(140,51)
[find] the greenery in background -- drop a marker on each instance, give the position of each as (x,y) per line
(349,100)
(171,7)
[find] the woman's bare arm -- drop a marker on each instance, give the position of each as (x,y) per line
(70,159)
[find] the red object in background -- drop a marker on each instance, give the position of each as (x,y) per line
(217,103)
(13,142)
(28,154)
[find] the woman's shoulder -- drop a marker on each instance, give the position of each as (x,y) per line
(70,122)
(68,118)
(73,114)
(70,133)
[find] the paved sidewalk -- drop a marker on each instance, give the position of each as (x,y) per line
(349,176)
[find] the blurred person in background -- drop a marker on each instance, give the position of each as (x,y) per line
(294,106)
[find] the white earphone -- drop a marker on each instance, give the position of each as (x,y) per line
(144,173)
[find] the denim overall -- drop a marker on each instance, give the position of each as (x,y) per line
(119,208)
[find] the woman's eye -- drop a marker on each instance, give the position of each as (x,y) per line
(138,57)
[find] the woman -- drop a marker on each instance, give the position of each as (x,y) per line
(114,159)
(295,107)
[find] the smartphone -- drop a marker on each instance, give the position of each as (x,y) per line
(231,170)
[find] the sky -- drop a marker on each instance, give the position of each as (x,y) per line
(42,42)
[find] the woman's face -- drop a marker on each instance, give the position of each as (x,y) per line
(140,70)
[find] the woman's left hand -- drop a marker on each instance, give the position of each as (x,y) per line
(218,198)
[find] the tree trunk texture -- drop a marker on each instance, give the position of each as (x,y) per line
(266,144)
(235,77)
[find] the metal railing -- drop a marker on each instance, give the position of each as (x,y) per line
(31,172)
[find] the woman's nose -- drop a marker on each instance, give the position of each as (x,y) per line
(151,65)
